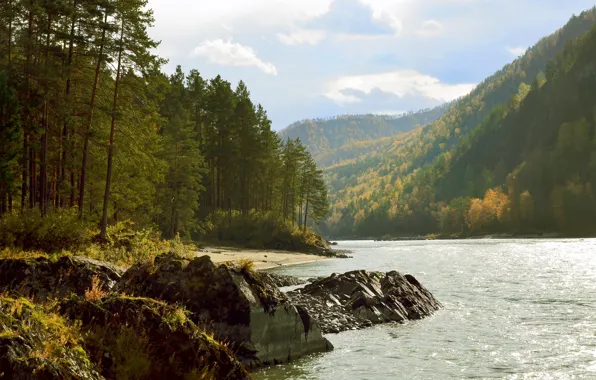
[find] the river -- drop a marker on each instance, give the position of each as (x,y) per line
(514,309)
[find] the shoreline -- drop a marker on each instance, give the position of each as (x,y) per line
(503,236)
(263,258)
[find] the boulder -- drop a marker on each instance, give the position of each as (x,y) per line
(147,339)
(280,280)
(238,305)
(35,343)
(41,277)
(361,299)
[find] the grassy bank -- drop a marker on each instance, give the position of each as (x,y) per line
(61,233)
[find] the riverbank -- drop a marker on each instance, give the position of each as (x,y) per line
(442,236)
(262,258)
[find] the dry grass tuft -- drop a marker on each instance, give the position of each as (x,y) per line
(96,292)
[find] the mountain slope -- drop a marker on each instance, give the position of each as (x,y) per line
(394,193)
(345,137)
(541,148)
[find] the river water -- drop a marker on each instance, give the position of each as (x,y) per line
(514,309)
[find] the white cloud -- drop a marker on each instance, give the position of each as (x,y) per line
(516,51)
(388,19)
(302,37)
(228,53)
(401,83)
(430,28)
(184,16)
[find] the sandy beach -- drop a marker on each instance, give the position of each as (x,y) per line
(263,259)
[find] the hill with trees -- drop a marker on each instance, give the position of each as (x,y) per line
(406,190)
(340,139)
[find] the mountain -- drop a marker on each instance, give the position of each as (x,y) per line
(338,139)
(537,154)
(404,190)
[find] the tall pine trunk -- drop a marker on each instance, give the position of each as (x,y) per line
(27,155)
(306,208)
(43,170)
(90,117)
(106,197)
(65,127)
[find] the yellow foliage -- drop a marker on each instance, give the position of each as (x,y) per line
(495,207)
(96,292)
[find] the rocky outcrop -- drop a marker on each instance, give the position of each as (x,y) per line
(360,299)
(239,306)
(147,339)
(38,344)
(41,278)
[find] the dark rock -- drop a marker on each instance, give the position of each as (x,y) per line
(148,339)
(36,344)
(241,307)
(280,280)
(360,299)
(42,278)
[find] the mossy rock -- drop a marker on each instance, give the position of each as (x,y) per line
(239,305)
(141,338)
(42,278)
(37,343)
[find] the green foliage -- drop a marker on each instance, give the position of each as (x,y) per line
(261,231)
(28,230)
(53,341)
(126,245)
(60,232)
(89,122)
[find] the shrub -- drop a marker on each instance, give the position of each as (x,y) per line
(58,230)
(96,292)
(60,233)
(257,230)
(125,246)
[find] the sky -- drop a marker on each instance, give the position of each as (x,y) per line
(306,59)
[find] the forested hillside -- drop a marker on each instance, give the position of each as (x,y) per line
(90,123)
(405,192)
(338,139)
(533,160)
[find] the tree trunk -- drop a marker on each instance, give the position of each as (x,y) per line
(306,209)
(2,201)
(43,200)
(44,162)
(10,41)
(27,154)
(25,173)
(32,174)
(106,197)
(65,135)
(90,118)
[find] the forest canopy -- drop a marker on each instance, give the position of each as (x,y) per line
(90,123)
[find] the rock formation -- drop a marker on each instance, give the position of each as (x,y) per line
(38,344)
(144,338)
(41,278)
(166,318)
(239,306)
(360,299)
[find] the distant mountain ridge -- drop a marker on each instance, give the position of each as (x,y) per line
(345,137)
